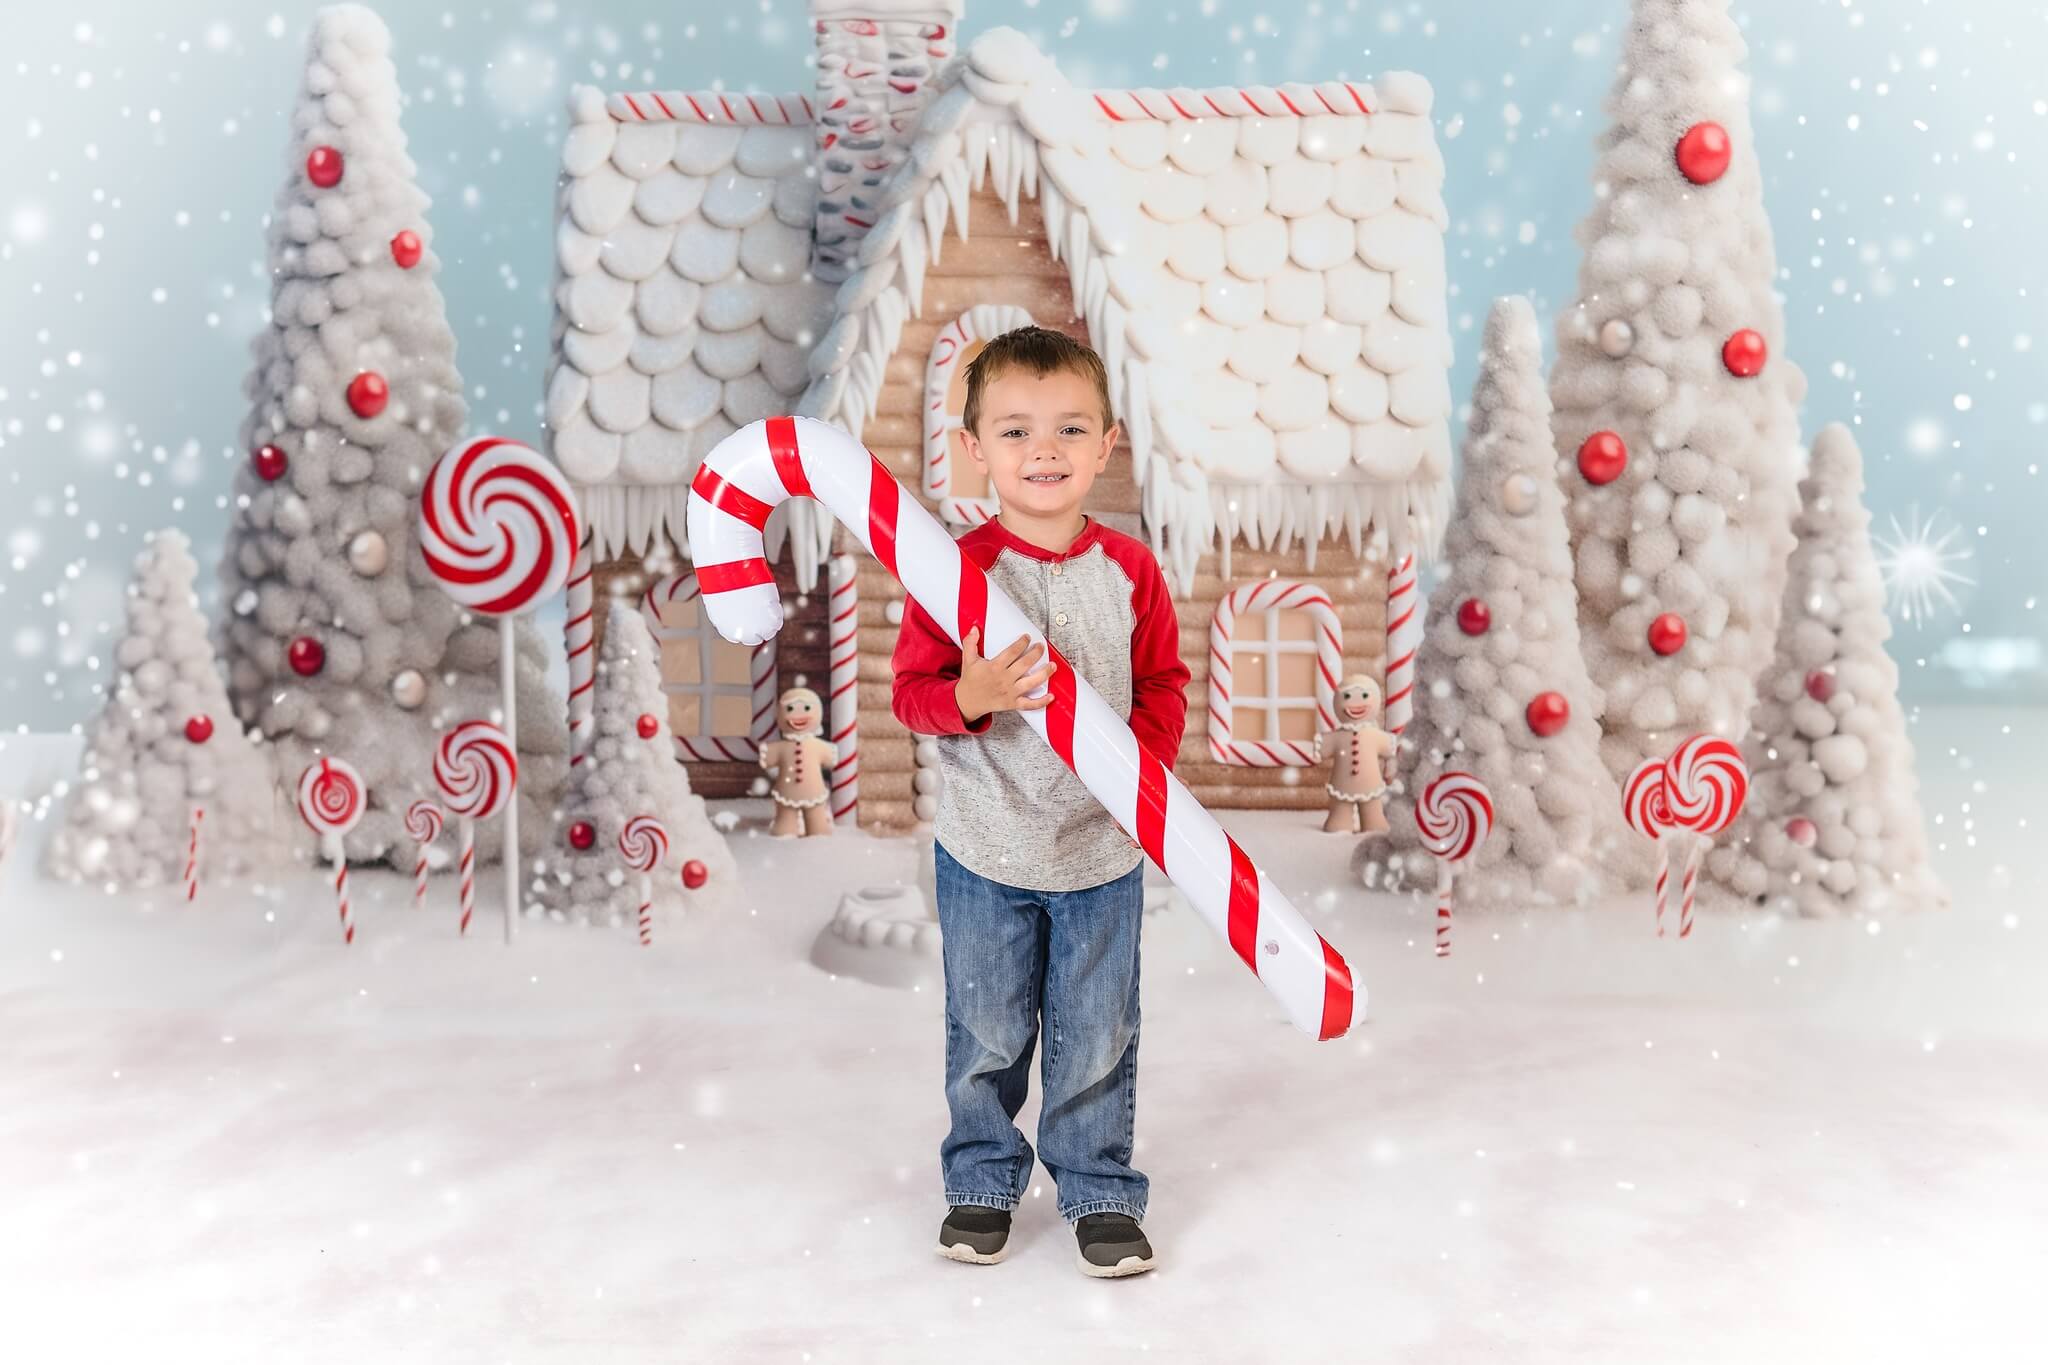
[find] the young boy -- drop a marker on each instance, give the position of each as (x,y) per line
(1039,891)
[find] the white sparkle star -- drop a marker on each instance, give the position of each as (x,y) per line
(1919,562)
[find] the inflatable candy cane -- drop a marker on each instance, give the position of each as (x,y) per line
(1455,815)
(1705,784)
(423,821)
(1647,808)
(331,802)
(741,482)
(478,772)
(643,843)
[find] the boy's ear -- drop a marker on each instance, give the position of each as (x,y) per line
(973,445)
(1109,440)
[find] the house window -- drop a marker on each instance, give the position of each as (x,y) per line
(1276,650)
(951,477)
(721,696)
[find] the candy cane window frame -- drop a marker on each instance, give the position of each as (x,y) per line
(760,689)
(950,354)
(1263,601)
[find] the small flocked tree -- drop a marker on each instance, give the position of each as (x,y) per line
(630,770)
(1677,407)
(166,740)
(339,641)
(1502,690)
(1833,823)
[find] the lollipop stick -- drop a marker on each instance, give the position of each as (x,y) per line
(419,880)
(468,871)
(348,923)
(1663,882)
(192,856)
(505,671)
(1691,881)
(1443,907)
(646,910)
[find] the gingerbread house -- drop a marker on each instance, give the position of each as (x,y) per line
(1261,268)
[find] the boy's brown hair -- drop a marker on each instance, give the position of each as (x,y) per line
(1040,350)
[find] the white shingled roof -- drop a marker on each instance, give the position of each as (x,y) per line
(1262,270)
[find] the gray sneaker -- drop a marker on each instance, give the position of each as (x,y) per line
(1111,1245)
(975,1234)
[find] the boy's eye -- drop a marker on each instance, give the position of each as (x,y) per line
(1014,431)
(1075,431)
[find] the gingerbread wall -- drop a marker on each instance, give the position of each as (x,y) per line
(1003,263)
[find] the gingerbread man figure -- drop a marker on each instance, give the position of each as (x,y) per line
(1360,755)
(800,763)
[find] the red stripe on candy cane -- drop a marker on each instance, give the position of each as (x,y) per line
(789,464)
(973,599)
(730,498)
(1244,907)
(884,495)
(1152,791)
(742,573)
(1336,992)
(1059,717)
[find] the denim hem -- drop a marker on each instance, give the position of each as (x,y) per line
(982,1201)
(1080,1211)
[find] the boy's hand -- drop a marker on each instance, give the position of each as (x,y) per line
(1002,683)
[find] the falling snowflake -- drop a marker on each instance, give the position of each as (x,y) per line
(1919,563)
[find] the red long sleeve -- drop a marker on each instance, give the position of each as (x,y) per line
(1159,677)
(927,665)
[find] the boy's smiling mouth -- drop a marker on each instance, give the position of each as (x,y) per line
(1045,478)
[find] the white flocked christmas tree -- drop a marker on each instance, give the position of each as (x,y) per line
(1676,404)
(630,770)
(339,642)
(1833,823)
(127,823)
(1501,662)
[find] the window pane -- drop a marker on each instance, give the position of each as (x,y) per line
(1296,624)
(729,663)
(1297,723)
(680,662)
(1248,722)
(682,714)
(731,717)
(956,390)
(1248,672)
(1297,675)
(679,615)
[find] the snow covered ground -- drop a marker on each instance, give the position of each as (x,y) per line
(224,1137)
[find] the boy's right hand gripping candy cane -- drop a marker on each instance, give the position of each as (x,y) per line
(749,473)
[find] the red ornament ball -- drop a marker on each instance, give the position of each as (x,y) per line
(367,394)
(648,727)
(1667,633)
(1704,152)
(695,874)
(1744,354)
(1548,713)
(1802,831)
(1602,457)
(583,836)
(323,167)
(1473,616)
(199,729)
(307,656)
(270,461)
(1820,684)
(406,249)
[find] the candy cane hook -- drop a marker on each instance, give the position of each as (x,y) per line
(749,473)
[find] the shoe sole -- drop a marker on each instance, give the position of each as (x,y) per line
(967,1255)
(1129,1265)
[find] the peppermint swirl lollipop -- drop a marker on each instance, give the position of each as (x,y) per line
(1455,815)
(1706,782)
(643,843)
(498,526)
(423,821)
(477,769)
(331,797)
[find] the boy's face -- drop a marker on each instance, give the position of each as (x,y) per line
(1042,438)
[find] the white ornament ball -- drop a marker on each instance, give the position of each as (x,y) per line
(409,689)
(1518,495)
(368,554)
(1617,338)
(893,611)
(926,807)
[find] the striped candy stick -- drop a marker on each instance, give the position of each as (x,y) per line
(748,474)
(467,869)
(1454,814)
(843,706)
(579,637)
(192,855)
(1404,639)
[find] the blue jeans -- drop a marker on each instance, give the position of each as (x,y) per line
(1015,958)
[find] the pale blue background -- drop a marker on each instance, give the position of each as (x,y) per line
(143,145)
